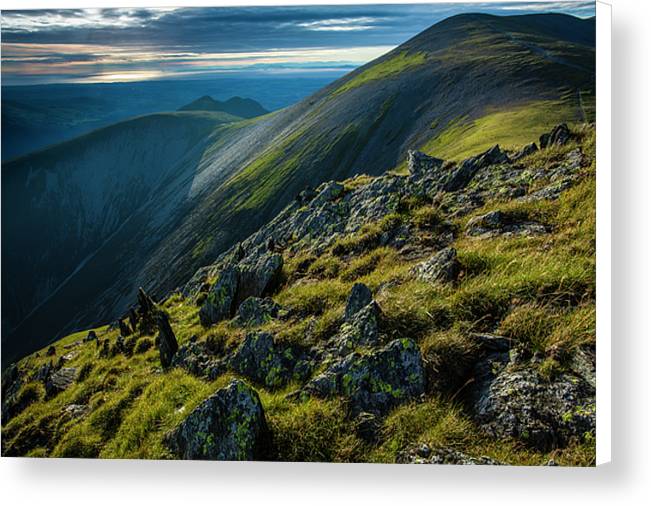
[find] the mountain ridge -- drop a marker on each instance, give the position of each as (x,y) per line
(245,172)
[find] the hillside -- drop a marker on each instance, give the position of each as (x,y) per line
(237,106)
(455,89)
(443,316)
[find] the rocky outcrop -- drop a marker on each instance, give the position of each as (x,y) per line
(513,400)
(60,380)
(260,359)
(439,268)
(499,223)
(420,164)
(228,425)
(468,168)
(376,382)
(256,311)
(220,301)
(527,150)
(359,297)
(559,136)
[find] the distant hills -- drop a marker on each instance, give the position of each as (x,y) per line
(147,203)
(237,106)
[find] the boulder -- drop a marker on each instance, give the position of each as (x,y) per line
(420,164)
(513,400)
(257,276)
(460,178)
(125,331)
(525,151)
(167,343)
(146,310)
(51,351)
(328,192)
(256,311)
(92,336)
(228,425)
(260,359)
(359,297)
(377,382)
(559,136)
(360,329)
(220,302)
(440,267)
(60,380)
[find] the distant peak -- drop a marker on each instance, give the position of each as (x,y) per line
(237,106)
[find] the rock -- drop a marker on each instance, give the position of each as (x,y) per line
(51,351)
(361,329)
(257,276)
(228,425)
(440,267)
(43,372)
(73,411)
(133,319)
(167,343)
(260,359)
(559,136)
(420,164)
(426,455)
(516,401)
(256,311)
(92,336)
(499,223)
(493,343)
(328,192)
(147,312)
(466,171)
(220,302)
(125,331)
(377,382)
(359,297)
(525,151)
(60,380)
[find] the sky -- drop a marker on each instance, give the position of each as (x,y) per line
(116,45)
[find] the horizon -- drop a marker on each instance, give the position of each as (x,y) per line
(109,46)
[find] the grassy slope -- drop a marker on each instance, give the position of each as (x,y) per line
(538,290)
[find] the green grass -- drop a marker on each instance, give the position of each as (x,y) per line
(388,68)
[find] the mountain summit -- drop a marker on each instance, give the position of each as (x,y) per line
(195,183)
(237,106)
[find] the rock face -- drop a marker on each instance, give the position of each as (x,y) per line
(517,402)
(228,425)
(441,267)
(221,298)
(261,360)
(374,383)
(256,311)
(167,344)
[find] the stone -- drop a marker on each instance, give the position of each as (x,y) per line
(420,164)
(462,176)
(497,222)
(220,302)
(260,359)
(228,425)
(60,380)
(492,343)
(328,192)
(361,329)
(256,311)
(559,136)
(525,151)
(423,454)
(257,276)
(513,400)
(51,351)
(359,297)
(440,267)
(146,310)
(167,343)
(377,382)
(73,411)
(92,336)
(125,331)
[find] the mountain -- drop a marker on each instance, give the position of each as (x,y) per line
(149,210)
(237,106)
